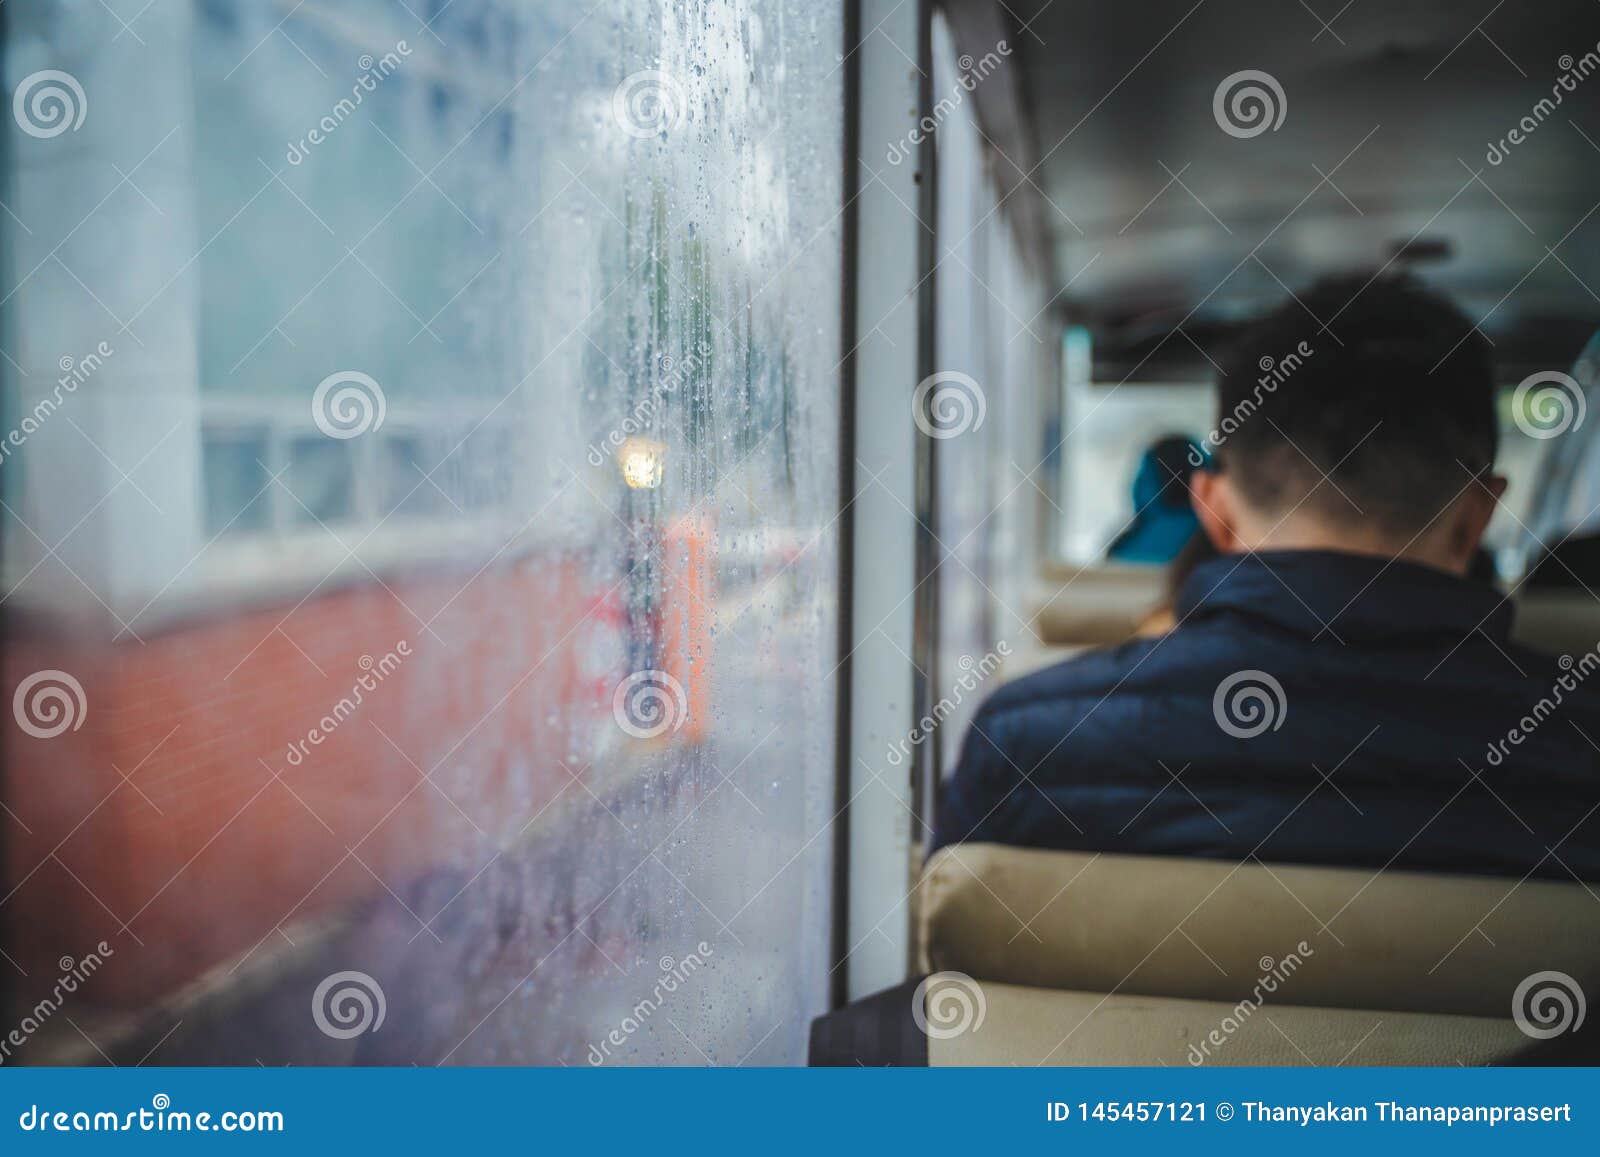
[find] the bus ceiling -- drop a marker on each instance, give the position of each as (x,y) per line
(1200,180)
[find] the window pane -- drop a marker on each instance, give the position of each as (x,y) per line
(320,481)
(406,462)
(519,706)
(235,482)
(994,343)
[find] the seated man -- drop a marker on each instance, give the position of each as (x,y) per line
(1336,690)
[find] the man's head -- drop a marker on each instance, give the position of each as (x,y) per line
(1376,434)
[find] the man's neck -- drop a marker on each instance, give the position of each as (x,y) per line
(1308,534)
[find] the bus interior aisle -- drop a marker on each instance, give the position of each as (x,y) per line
(768,532)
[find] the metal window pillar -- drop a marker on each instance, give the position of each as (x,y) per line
(887,478)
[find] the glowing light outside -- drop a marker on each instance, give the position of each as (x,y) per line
(642,461)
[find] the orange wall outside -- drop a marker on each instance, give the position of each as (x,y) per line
(230,854)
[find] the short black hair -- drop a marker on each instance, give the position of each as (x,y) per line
(1378,382)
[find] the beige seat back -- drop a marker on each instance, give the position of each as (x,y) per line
(1207,930)
(1557,622)
(1095,605)
(1008,1025)
(1104,604)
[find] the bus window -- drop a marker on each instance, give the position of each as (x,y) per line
(425,503)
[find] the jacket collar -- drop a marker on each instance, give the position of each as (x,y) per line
(1312,592)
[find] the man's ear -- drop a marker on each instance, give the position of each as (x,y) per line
(1474,510)
(1216,506)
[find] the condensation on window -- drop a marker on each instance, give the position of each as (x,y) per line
(420,528)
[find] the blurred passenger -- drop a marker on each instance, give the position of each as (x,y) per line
(1165,616)
(1163,516)
(1336,691)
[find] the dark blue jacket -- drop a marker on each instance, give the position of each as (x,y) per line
(1314,707)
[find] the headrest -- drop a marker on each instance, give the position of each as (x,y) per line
(1006,1025)
(1557,622)
(1095,605)
(1210,930)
